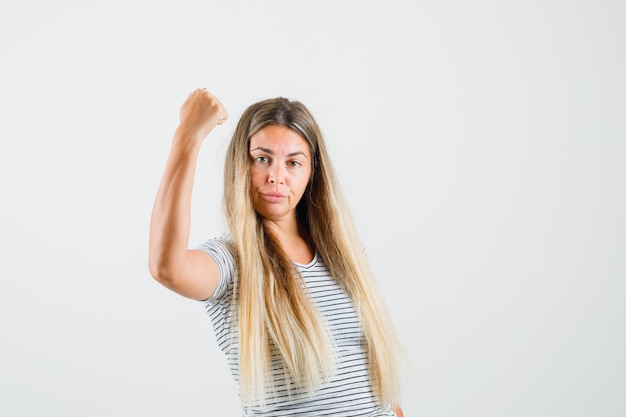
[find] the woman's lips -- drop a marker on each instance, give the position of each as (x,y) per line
(273,197)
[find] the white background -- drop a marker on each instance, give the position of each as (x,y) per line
(481,145)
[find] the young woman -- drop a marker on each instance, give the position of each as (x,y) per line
(288,290)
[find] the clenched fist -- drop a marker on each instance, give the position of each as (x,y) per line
(200,113)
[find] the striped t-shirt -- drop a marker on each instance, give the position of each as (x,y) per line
(349,391)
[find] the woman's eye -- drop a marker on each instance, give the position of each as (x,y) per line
(261,159)
(294,163)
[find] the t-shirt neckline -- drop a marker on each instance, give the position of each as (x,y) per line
(310,264)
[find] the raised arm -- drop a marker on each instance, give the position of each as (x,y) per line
(190,273)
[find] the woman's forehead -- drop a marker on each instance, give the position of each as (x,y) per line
(279,139)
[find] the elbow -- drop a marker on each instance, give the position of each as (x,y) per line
(157,271)
(161,271)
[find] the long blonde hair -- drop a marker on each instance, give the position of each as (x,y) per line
(273,309)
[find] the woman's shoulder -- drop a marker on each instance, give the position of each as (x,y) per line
(220,248)
(222,242)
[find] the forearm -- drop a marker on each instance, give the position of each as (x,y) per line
(171,213)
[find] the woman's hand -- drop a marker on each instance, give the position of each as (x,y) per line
(398,412)
(200,113)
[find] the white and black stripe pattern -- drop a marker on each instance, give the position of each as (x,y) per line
(349,391)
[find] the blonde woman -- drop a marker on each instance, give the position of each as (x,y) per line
(288,290)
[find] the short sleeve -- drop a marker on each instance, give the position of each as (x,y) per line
(221,250)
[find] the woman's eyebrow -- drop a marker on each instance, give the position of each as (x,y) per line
(271,152)
(297,153)
(260,148)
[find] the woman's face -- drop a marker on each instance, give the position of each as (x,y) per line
(280,169)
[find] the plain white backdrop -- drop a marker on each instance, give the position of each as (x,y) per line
(481,145)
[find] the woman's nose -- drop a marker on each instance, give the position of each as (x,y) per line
(276,175)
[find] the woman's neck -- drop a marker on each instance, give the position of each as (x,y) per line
(294,240)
